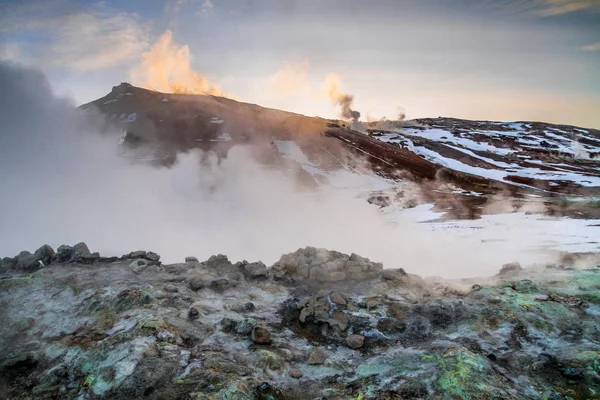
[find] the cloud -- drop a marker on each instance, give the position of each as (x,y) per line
(205,8)
(87,41)
(540,8)
(82,39)
(591,47)
(166,67)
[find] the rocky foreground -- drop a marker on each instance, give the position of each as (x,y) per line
(316,325)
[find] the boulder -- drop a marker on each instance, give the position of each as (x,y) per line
(338,298)
(28,262)
(45,254)
(392,274)
(191,260)
(355,341)
(201,282)
(510,268)
(337,276)
(316,356)
(261,335)
(245,326)
(255,270)
(137,254)
(152,256)
(218,261)
(296,373)
(138,266)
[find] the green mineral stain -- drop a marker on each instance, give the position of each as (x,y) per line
(89,381)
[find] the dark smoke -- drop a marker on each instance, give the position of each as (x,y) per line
(345,102)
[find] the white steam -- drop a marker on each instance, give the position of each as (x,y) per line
(63,182)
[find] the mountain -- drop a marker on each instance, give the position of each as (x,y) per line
(458,164)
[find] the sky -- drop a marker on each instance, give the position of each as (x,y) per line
(490,59)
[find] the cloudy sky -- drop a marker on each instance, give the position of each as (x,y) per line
(486,59)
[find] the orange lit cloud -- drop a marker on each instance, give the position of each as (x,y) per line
(166,68)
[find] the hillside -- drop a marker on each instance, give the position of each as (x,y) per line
(453,161)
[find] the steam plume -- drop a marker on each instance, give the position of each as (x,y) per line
(166,68)
(344,100)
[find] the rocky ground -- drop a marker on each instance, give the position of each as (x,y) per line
(316,325)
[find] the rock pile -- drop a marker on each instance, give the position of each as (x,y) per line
(325,266)
(214,330)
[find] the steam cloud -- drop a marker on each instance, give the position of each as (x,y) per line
(344,100)
(63,182)
(166,67)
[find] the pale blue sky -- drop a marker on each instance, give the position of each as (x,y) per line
(503,59)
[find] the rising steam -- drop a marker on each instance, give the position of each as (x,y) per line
(166,68)
(344,100)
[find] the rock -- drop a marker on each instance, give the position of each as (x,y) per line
(218,261)
(261,335)
(193,313)
(265,391)
(316,356)
(318,274)
(337,276)
(28,262)
(510,268)
(138,266)
(304,313)
(245,326)
(171,289)
(255,270)
(355,341)
(296,373)
(191,260)
(81,250)
(201,282)
(227,282)
(337,298)
(525,286)
(8,263)
(364,276)
(137,254)
(45,254)
(228,325)
(392,274)
(152,256)
(340,319)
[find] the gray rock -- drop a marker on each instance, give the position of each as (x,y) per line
(525,286)
(261,335)
(392,274)
(256,270)
(81,250)
(138,266)
(8,263)
(319,274)
(137,254)
(296,373)
(245,326)
(191,259)
(152,256)
(337,276)
(201,282)
(338,298)
(364,276)
(355,341)
(45,254)
(510,268)
(171,289)
(218,261)
(316,356)
(28,262)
